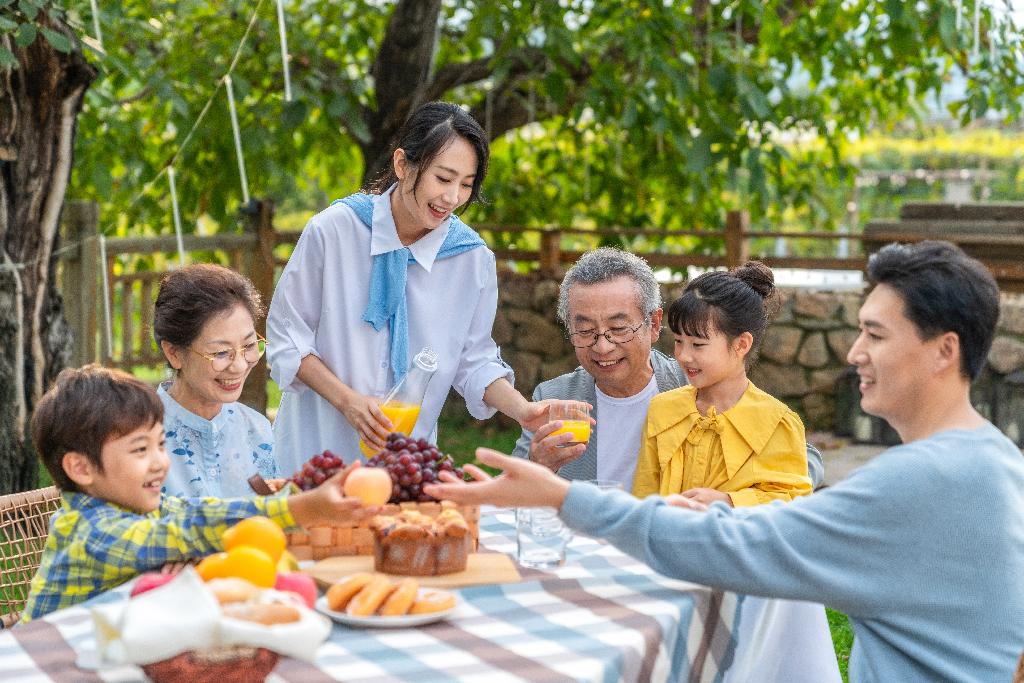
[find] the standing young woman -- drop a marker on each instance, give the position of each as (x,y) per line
(376,277)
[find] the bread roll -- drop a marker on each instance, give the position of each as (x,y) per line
(232,589)
(401,599)
(432,601)
(339,595)
(267,614)
(371,597)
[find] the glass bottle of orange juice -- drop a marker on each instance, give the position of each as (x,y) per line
(402,404)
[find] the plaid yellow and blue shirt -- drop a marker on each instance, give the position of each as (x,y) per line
(94,545)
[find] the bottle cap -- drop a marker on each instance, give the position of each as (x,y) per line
(426,359)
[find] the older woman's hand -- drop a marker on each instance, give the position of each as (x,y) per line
(521,484)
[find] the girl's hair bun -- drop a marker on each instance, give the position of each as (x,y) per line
(758,276)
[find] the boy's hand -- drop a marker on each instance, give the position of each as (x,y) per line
(327,504)
(707,496)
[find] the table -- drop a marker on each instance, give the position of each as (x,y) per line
(602,617)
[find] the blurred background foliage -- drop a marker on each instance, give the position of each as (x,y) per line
(634,113)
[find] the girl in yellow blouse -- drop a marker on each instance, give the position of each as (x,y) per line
(721,438)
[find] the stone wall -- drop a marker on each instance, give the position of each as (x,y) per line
(802,361)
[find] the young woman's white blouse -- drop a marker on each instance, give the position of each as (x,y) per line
(317,309)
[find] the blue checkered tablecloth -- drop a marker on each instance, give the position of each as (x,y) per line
(602,617)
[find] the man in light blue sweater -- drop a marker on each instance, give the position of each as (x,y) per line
(923,547)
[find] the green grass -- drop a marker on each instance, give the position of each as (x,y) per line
(842,638)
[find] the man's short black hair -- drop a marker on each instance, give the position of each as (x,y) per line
(943,290)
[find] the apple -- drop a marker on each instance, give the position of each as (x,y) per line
(149,581)
(371,485)
(298,583)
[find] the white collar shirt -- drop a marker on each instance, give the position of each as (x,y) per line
(317,309)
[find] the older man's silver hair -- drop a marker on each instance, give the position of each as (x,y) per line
(608,263)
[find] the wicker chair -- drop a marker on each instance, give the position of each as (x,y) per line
(24,526)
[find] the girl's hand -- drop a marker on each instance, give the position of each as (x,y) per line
(521,484)
(707,496)
(327,503)
(676,500)
(366,417)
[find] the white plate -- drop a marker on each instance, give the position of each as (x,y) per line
(404,621)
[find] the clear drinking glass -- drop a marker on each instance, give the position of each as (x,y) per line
(606,484)
(541,538)
(575,417)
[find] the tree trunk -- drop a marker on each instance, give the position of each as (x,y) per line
(39,105)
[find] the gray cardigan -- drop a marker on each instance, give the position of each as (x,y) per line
(578,385)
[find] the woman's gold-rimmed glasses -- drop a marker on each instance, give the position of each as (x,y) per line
(222,360)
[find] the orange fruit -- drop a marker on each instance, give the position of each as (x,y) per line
(252,564)
(258,532)
(212,566)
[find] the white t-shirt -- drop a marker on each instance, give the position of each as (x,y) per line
(620,424)
(318,308)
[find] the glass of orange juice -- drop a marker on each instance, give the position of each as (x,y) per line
(403,418)
(575,418)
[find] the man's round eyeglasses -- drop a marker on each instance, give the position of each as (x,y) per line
(222,360)
(615,335)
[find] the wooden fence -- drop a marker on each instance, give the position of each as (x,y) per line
(112,316)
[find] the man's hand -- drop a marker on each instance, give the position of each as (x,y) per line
(327,504)
(707,496)
(553,451)
(534,415)
(521,484)
(366,417)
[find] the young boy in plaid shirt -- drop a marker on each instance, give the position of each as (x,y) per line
(99,432)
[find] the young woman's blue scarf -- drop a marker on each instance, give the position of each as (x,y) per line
(388,276)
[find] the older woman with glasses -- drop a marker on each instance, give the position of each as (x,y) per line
(205,325)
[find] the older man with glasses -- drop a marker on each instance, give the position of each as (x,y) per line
(610,304)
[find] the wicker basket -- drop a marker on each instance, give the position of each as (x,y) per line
(24,526)
(320,542)
(217,665)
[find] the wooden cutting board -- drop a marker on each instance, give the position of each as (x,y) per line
(481,568)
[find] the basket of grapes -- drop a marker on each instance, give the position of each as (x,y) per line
(411,463)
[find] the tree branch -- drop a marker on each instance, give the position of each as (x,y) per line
(404,62)
(457,73)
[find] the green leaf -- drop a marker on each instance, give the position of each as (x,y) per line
(28,8)
(26,34)
(294,114)
(699,156)
(7,58)
(5,3)
(755,99)
(58,41)
(947,27)
(7,25)
(894,8)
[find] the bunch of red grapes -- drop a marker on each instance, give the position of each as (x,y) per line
(411,464)
(317,470)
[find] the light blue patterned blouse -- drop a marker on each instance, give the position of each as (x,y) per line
(215,457)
